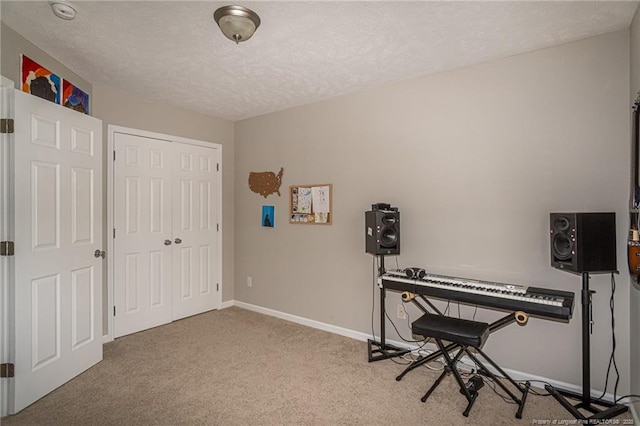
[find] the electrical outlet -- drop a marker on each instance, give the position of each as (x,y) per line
(401,313)
(249,282)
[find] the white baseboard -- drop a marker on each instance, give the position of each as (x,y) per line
(634,413)
(536,381)
(227,304)
(305,321)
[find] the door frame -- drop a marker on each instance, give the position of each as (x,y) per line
(112,130)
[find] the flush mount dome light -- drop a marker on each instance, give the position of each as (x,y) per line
(236,22)
(63,9)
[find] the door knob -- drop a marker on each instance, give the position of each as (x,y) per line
(99,253)
(167,242)
(178,241)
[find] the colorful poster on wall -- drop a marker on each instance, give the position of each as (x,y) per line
(74,98)
(39,81)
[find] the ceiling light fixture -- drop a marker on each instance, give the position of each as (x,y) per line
(63,9)
(236,22)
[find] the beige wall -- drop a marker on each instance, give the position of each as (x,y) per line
(635,289)
(475,159)
(13,45)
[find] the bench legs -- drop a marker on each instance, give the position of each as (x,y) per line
(450,367)
(471,395)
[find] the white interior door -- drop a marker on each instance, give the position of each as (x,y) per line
(195,221)
(58,228)
(143,236)
(166,247)
(7,140)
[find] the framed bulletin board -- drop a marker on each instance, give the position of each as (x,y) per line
(311,204)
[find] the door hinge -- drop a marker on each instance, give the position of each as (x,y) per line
(217,167)
(217,286)
(6,370)
(6,248)
(114,232)
(217,227)
(114,311)
(6,125)
(114,156)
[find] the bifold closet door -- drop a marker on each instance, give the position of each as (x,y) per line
(165,215)
(143,233)
(194,229)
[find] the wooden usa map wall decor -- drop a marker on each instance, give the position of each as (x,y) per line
(265,183)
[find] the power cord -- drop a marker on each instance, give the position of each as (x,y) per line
(631,395)
(398,332)
(612,358)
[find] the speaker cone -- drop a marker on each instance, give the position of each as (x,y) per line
(561,223)
(388,237)
(562,246)
(388,219)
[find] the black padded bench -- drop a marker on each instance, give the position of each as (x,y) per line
(465,334)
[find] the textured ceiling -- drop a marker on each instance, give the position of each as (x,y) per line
(173,52)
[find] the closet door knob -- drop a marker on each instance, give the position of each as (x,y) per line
(167,242)
(178,241)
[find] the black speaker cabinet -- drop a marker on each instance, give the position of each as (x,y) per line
(382,232)
(583,242)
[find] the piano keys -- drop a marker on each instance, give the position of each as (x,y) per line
(541,302)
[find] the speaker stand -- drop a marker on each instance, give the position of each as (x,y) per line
(608,410)
(381,350)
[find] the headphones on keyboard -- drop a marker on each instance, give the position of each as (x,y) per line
(415,273)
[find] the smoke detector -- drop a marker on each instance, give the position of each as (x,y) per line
(63,9)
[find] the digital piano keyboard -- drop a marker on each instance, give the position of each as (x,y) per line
(542,302)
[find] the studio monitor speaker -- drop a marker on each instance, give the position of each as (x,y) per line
(583,242)
(382,232)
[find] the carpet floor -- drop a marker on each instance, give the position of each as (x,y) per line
(238,367)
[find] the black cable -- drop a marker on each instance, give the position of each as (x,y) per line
(490,383)
(612,358)
(631,395)
(446,310)
(521,382)
(398,332)
(533,391)
(422,342)
(411,360)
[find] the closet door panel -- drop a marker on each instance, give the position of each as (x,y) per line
(143,227)
(166,256)
(194,229)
